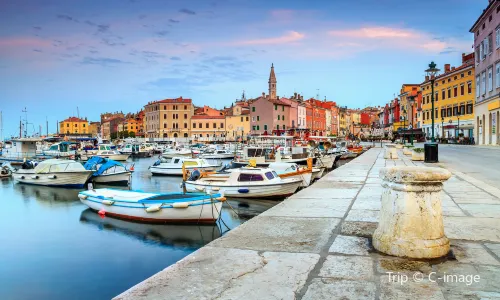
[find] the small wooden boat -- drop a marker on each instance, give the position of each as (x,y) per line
(248,182)
(173,166)
(55,172)
(153,207)
(6,170)
(108,171)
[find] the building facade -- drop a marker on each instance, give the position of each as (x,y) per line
(453,101)
(208,128)
(168,118)
(486,32)
(238,122)
(74,125)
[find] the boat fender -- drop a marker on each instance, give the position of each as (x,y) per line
(34,177)
(216,189)
(22,177)
(108,202)
(200,188)
(83,197)
(52,177)
(180,205)
(152,209)
(221,199)
(101,212)
(243,191)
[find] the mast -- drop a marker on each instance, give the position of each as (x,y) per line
(20,128)
(1,127)
(46,126)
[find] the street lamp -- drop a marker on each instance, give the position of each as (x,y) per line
(412,101)
(458,128)
(432,71)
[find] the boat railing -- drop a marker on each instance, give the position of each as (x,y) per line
(19,155)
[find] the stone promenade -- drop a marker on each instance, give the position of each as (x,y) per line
(317,245)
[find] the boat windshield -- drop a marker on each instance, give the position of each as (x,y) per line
(269,175)
(250,177)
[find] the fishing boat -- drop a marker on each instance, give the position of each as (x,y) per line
(106,151)
(18,150)
(291,170)
(155,207)
(55,172)
(174,166)
(247,182)
(317,173)
(108,171)
(135,149)
(218,154)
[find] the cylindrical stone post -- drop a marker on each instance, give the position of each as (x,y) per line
(390,151)
(411,219)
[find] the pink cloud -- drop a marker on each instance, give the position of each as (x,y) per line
(376,33)
(291,36)
(24,42)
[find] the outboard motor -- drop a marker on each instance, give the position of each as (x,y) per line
(224,168)
(195,175)
(157,163)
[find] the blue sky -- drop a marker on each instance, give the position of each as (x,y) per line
(57,55)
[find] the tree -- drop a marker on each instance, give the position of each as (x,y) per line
(113,135)
(131,134)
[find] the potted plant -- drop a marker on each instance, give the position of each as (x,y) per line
(417,154)
(407,150)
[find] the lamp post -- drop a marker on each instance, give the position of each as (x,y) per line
(432,71)
(458,128)
(412,101)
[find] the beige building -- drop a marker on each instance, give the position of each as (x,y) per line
(168,118)
(207,128)
(238,122)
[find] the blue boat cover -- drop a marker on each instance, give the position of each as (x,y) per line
(104,162)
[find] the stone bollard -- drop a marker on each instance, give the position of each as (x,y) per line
(411,220)
(391,152)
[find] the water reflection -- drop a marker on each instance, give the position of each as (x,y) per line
(47,194)
(176,236)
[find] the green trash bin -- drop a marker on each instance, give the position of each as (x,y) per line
(431,153)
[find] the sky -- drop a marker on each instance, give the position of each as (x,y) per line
(60,57)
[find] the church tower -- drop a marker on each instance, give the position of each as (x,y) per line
(272,83)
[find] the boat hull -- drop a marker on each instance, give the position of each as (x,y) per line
(177,171)
(203,212)
(217,156)
(172,155)
(249,191)
(122,178)
(61,179)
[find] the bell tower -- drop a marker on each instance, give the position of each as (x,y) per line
(272,83)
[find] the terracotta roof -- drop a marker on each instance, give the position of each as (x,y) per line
(279,102)
(245,112)
(74,119)
(174,100)
(464,66)
(198,117)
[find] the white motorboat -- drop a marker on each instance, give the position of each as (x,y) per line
(105,151)
(153,207)
(55,172)
(6,170)
(135,149)
(176,152)
(174,166)
(247,182)
(291,170)
(218,154)
(57,150)
(108,171)
(317,173)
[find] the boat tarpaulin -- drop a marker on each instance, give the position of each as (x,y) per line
(104,163)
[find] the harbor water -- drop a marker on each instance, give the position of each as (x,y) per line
(54,247)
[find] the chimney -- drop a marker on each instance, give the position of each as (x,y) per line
(426,77)
(446,68)
(295,95)
(263,94)
(277,97)
(453,68)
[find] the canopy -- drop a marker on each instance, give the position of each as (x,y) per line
(105,163)
(58,165)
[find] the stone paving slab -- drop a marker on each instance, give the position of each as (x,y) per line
(280,234)
(316,245)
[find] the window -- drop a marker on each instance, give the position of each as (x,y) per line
(185,107)
(200,125)
(164,116)
(275,107)
(461,109)
(258,127)
(214,125)
(250,177)
(449,93)
(455,91)
(478,90)
(278,117)
(185,116)
(246,119)
(221,125)
(481,53)
(497,37)
(207,125)
(283,127)
(462,75)
(448,111)
(185,125)
(265,126)
(490,79)
(194,125)
(443,113)
(164,107)
(258,118)
(469,108)
(469,87)
(483,83)
(490,43)
(241,119)
(253,108)
(436,98)
(455,110)
(164,125)
(443,94)
(269,175)
(497,75)
(283,118)
(462,90)
(283,108)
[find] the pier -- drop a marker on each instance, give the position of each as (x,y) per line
(317,245)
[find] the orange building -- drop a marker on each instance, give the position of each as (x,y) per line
(74,125)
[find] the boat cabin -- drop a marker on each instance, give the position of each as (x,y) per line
(21,148)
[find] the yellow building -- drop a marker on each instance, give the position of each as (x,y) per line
(208,128)
(237,123)
(408,115)
(132,125)
(342,120)
(74,125)
(94,128)
(168,118)
(454,92)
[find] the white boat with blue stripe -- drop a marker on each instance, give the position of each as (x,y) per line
(201,207)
